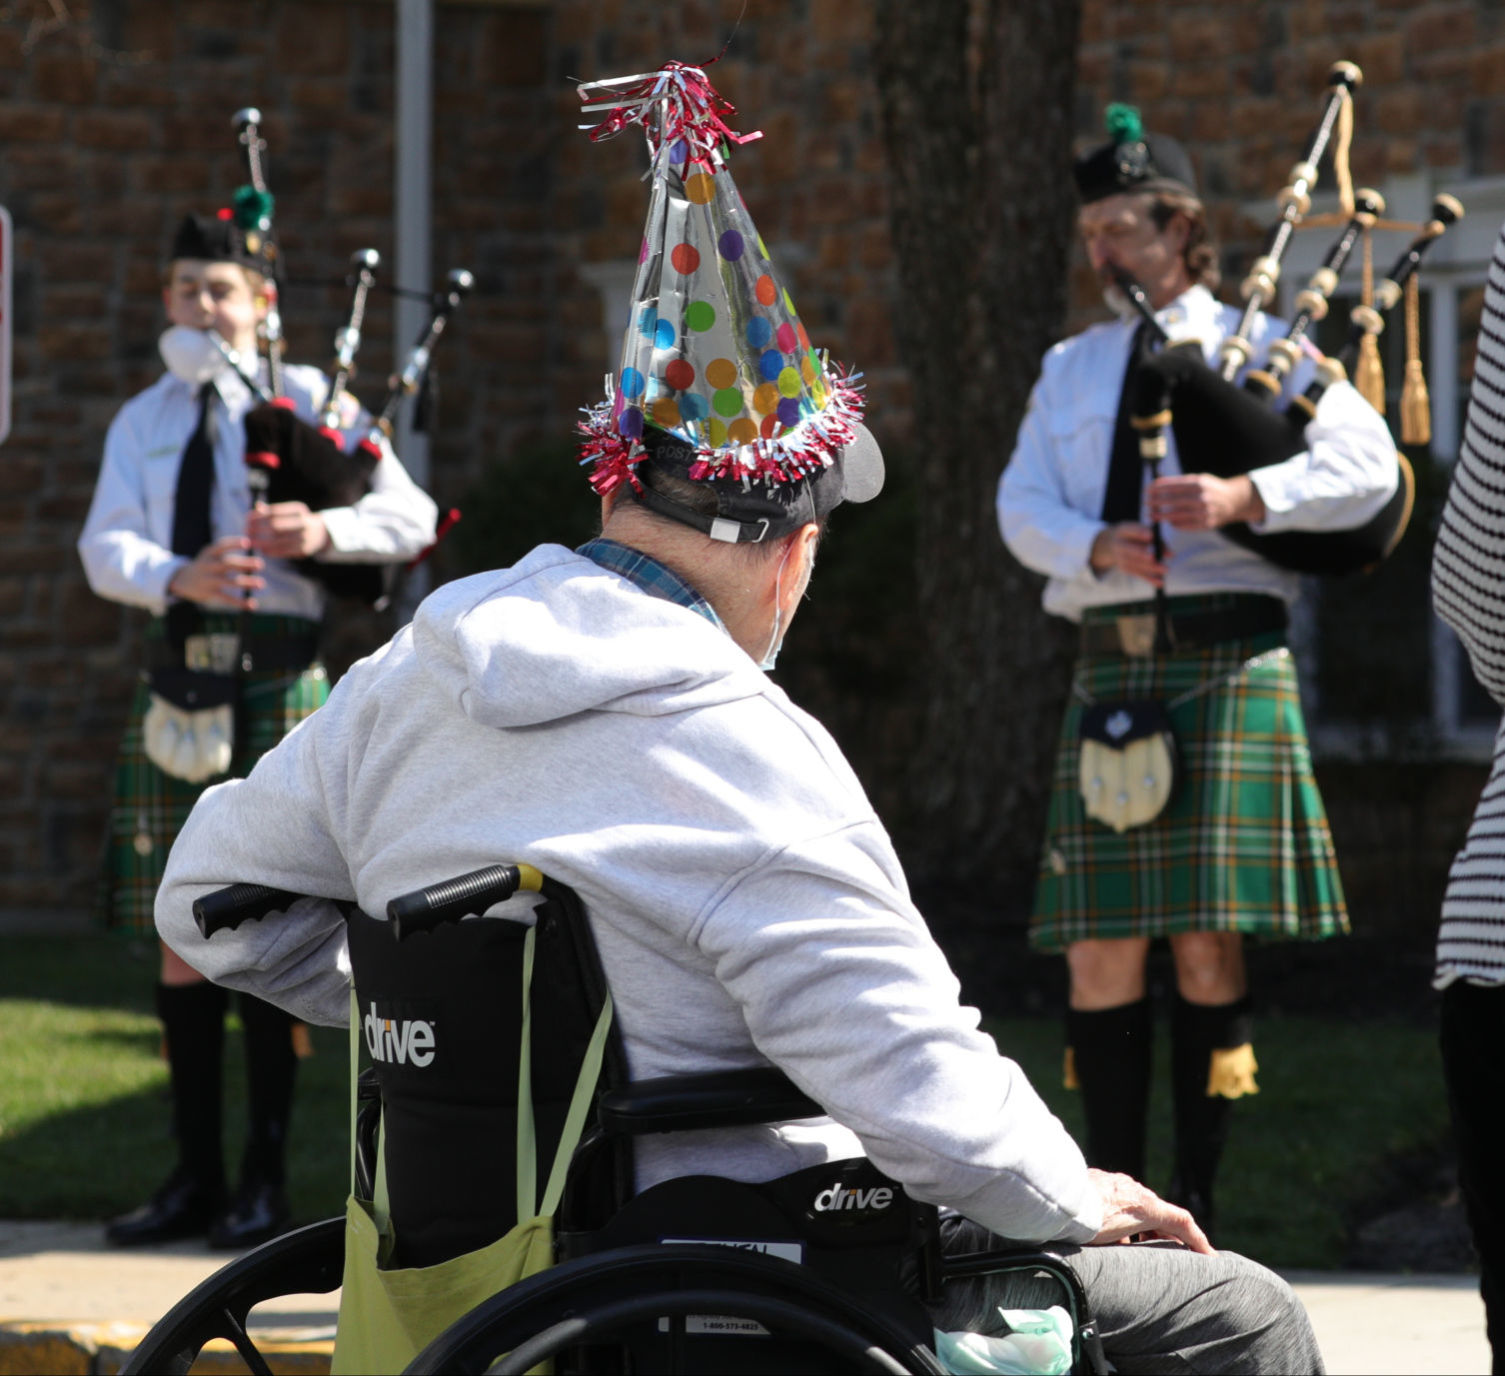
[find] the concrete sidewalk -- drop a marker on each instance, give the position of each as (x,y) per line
(68,1304)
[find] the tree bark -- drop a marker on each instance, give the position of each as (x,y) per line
(976,99)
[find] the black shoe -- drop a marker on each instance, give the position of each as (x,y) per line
(183,1207)
(257,1214)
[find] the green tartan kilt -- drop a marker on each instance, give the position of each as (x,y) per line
(1243,845)
(150,807)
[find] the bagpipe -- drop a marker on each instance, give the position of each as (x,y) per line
(1227,429)
(290,460)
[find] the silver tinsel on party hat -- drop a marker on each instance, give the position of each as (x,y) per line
(714,353)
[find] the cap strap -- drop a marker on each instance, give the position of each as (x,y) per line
(717,527)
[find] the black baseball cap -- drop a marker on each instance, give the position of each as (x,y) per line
(761,509)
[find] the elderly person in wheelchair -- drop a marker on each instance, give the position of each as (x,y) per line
(602,716)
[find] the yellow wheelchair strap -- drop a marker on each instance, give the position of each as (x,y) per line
(528,1203)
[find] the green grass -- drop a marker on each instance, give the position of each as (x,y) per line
(84,1111)
(1339,1100)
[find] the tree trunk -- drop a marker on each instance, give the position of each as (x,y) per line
(976,101)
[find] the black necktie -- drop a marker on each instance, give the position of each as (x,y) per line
(191,530)
(1126,467)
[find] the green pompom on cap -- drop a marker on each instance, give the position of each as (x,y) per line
(253,208)
(1124,124)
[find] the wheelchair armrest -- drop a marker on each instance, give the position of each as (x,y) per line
(721,1099)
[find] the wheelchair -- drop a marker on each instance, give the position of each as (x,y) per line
(825,1270)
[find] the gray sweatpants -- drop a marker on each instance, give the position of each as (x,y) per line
(1159,1308)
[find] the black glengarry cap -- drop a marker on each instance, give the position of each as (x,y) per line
(1132,161)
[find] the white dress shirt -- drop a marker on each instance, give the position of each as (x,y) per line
(126,543)
(1050,497)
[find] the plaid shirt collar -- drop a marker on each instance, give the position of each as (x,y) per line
(648,574)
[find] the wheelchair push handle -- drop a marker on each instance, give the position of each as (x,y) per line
(239,903)
(470,895)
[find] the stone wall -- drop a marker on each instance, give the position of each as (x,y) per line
(111,129)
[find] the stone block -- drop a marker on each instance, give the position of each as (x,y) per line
(67,78)
(74,341)
(1382,59)
(313,40)
(19,477)
(175,175)
(318,95)
(57,214)
(1436,28)
(1197,38)
(513,48)
(30,124)
(1399,112)
(126,93)
(115,129)
(38,169)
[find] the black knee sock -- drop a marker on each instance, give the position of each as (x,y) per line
(1110,1050)
(270,1069)
(193,1023)
(1204,1084)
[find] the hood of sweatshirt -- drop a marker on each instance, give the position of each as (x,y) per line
(557,634)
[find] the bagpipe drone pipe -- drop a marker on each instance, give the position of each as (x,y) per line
(290,460)
(294,461)
(287,459)
(1229,430)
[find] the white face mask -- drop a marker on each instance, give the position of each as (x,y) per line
(776,640)
(190,355)
(1117,301)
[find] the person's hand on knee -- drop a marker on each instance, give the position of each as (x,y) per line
(1131,1209)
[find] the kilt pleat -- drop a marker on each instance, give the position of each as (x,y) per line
(150,807)
(1244,844)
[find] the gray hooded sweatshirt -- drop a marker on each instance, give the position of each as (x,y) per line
(746,901)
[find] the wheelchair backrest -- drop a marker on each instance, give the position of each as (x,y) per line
(441,1015)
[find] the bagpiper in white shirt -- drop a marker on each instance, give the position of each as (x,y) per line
(126,545)
(1051,493)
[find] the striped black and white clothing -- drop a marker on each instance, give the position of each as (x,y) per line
(1468,590)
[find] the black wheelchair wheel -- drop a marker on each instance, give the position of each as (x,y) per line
(589,1299)
(309,1260)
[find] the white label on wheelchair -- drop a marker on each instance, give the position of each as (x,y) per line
(789,1251)
(729,1324)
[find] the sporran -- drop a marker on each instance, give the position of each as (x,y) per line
(189,728)
(1130,764)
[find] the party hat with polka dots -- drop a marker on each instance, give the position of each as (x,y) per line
(714,352)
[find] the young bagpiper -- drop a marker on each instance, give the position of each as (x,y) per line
(231,665)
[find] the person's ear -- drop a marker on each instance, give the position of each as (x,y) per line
(797,565)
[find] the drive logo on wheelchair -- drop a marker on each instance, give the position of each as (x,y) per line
(403,1041)
(840,1198)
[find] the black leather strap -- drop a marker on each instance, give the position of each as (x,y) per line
(268,653)
(1121,493)
(1251,617)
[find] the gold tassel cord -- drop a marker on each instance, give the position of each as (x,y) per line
(1415,404)
(1341,141)
(1230,1073)
(1068,1070)
(1369,372)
